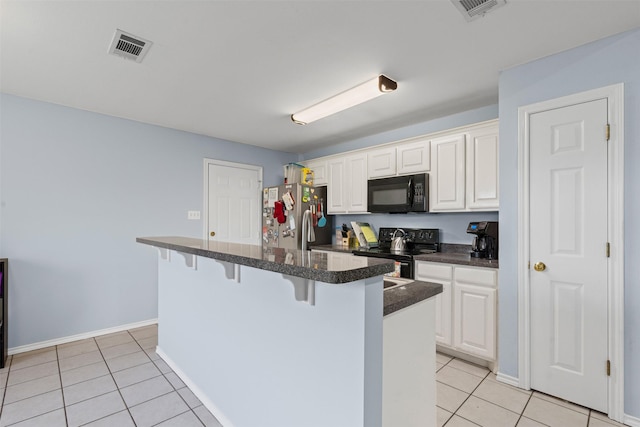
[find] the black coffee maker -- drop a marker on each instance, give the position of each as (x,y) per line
(485,242)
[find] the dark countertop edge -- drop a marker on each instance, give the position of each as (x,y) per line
(403,296)
(459,259)
(333,277)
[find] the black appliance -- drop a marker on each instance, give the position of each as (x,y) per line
(418,241)
(485,242)
(399,194)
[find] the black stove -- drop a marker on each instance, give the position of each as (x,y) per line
(419,241)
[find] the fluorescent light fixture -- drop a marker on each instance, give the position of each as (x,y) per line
(347,99)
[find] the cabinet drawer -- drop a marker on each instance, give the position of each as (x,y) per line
(426,270)
(477,276)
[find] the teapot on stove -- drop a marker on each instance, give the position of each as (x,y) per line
(399,243)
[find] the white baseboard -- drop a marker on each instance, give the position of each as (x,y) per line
(195,389)
(85,335)
(631,421)
(508,379)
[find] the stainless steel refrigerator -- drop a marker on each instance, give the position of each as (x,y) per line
(283,211)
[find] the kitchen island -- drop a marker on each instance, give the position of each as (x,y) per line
(273,337)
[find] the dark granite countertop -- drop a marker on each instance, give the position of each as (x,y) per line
(451,253)
(308,265)
(403,296)
(458,258)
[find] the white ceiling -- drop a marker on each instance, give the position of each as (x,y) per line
(236,70)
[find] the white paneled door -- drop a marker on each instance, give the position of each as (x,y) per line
(234,202)
(568,249)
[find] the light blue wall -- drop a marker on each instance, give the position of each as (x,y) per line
(605,62)
(452,226)
(76,189)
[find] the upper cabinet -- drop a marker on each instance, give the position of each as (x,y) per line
(447,178)
(462,166)
(482,169)
(413,157)
(464,170)
(381,162)
(402,158)
(347,184)
(320,171)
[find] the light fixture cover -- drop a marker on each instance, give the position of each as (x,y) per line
(347,99)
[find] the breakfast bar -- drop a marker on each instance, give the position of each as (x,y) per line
(276,337)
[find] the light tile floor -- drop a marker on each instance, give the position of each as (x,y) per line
(119,380)
(111,380)
(469,396)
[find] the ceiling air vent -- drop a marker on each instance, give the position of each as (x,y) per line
(473,9)
(129,46)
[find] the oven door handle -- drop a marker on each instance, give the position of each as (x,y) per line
(410,189)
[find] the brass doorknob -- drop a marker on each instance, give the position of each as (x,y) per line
(539,266)
(213,233)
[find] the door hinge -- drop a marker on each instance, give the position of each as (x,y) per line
(608,250)
(608,368)
(608,132)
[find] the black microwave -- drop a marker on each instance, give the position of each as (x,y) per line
(399,194)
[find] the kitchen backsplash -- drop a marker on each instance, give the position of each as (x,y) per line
(453,226)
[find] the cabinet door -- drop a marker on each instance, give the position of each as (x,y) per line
(443,314)
(336,196)
(482,169)
(474,321)
(440,273)
(320,172)
(356,183)
(381,162)
(413,157)
(447,178)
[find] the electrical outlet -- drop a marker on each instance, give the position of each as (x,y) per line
(193,215)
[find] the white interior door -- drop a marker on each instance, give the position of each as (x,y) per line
(234,202)
(568,234)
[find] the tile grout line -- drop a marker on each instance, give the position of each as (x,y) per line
(164,375)
(485,400)
(117,387)
(4,390)
(562,406)
(64,405)
(465,400)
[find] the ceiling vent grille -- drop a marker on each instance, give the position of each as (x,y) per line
(473,9)
(129,46)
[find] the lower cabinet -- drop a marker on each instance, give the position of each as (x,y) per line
(466,315)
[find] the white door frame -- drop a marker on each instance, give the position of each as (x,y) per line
(615,223)
(205,175)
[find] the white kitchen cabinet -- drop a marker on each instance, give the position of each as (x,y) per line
(474,311)
(462,166)
(403,158)
(442,274)
(466,315)
(482,168)
(347,184)
(381,162)
(447,177)
(464,170)
(413,157)
(320,171)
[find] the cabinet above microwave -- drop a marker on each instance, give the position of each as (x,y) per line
(398,194)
